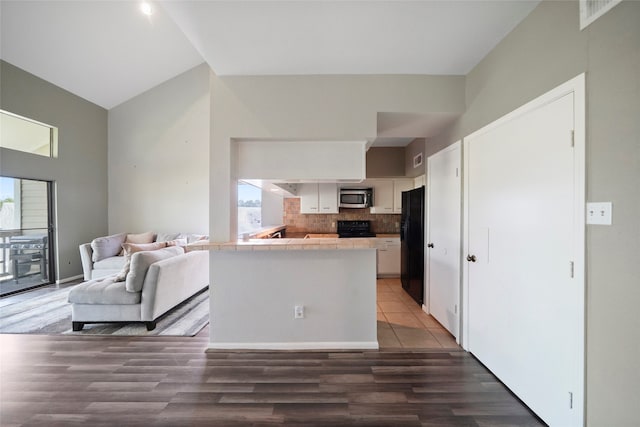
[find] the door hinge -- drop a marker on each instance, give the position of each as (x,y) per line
(455,309)
(570,400)
(573,137)
(571,264)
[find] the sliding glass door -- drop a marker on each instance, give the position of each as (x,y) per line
(26,234)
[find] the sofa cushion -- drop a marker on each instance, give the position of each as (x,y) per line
(111,263)
(140,262)
(129,249)
(103,291)
(106,247)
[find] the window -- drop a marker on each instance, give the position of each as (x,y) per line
(26,135)
(249,208)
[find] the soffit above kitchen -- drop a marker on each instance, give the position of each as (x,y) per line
(108,52)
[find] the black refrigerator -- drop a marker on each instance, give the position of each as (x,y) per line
(412,243)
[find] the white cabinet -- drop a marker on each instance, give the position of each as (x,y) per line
(387,194)
(308,198)
(388,256)
(318,198)
(328,198)
(400,185)
(382,196)
(419,181)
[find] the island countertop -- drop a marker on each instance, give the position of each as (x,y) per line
(284,244)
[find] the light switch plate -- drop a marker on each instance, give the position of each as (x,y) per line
(599,213)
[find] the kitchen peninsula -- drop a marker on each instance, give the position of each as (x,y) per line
(292,294)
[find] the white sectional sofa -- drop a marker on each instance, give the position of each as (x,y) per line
(157,281)
(102,257)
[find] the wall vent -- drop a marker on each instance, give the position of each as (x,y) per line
(590,10)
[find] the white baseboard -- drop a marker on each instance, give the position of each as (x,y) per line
(69,279)
(340,345)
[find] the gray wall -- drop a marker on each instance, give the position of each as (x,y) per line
(316,107)
(545,50)
(385,162)
(159,158)
(79,171)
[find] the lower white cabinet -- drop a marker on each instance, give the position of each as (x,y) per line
(388,256)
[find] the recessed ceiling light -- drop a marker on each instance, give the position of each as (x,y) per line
(146,8)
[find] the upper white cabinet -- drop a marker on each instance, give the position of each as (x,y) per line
(318,198)
(328,197)
(400,185)
(382,196)
(387,194)
(419,181)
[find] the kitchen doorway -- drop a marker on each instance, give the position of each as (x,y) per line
(26,234)
(403,324)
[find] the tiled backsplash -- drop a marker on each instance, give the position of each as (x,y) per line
(326,223)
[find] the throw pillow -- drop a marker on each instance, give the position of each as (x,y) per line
(193,237)
(140,263)
(129,249)
(106,247)
(165,237)
(147,237)
(141,238)
(177,242)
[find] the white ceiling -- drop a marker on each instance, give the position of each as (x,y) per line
(104,51)
(108,52)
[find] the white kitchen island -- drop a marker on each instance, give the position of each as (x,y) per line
(256,285)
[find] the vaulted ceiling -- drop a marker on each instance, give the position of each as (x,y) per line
(108,51)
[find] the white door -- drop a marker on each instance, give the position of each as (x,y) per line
(443,236)
(525,309)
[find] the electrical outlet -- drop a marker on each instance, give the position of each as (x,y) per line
(298,312)
(599,213)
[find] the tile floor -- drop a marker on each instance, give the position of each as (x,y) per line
(403,324)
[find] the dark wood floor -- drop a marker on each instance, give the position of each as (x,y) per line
(108,381)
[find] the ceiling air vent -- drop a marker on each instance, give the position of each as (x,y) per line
(590,10)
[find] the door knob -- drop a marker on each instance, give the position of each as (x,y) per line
(430,245)
(471,258)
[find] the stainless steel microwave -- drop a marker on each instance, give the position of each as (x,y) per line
(356,197)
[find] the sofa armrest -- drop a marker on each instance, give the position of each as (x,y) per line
(87,263)
(173,280)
